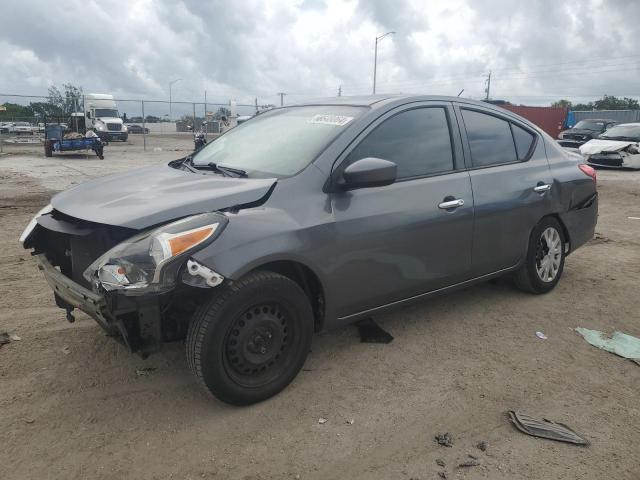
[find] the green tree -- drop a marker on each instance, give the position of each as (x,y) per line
(562,104)
(14,110)
(68,100)
(608,102)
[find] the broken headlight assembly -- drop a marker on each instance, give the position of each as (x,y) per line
(34,221)
(150,261)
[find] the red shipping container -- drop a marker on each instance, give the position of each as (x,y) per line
(549,119)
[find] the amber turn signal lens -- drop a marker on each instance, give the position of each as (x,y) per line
(185,241)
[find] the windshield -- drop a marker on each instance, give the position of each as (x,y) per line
(627,132)
(281,142)
(590,125)
(106,112)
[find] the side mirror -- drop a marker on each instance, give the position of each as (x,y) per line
(369,172)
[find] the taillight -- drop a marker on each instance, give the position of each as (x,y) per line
(589,171)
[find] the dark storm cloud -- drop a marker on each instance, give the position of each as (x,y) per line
(310,47)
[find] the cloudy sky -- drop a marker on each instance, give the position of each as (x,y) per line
(538,51)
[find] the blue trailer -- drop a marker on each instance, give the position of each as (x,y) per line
(55,142)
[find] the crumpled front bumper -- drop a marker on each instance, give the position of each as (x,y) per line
(134,321)
(93,304)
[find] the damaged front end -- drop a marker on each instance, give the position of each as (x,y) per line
(612,154)
(127,280)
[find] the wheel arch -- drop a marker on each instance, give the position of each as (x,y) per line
(306,278)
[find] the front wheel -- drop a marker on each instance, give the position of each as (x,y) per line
(545,258)
(251,339)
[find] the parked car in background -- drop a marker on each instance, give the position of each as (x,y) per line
(583,131)
(358,206)
(618,147)
(4,127)
(21,128)
(133,128)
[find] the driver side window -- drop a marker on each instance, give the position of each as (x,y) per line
(418,141)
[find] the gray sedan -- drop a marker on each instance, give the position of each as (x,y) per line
(310,217)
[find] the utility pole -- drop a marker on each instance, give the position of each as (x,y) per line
(375,58)
(256,105)
(340,90)
(282,94)
(488,89)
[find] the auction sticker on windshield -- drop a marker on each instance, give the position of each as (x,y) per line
(337,120)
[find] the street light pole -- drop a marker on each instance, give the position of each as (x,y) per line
(170,85)
(375,58)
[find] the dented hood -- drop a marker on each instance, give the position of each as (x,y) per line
(593,147)
(149,196)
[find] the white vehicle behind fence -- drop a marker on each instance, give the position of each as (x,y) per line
(101,114)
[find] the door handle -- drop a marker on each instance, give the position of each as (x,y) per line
(542,188)
(449,204)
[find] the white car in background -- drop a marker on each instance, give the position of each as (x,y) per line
(618,147)
(21,128)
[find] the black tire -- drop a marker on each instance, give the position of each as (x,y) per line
(48,148)
(251,339)
(528,277)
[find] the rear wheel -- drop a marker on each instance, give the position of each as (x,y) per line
(249,342)
(545,258)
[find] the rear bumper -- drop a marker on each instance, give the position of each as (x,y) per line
(581,222)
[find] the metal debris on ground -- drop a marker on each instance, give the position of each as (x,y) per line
(541,335)
(444,439)
(66,350)
(440,462)
(545,429)
(29,420)
(473,457)
(443,475)
(4,338)
(469,464)
(15,338)
(621,344)
(322,420)
(351,421)
(482,446)
(145,371)
(371,332)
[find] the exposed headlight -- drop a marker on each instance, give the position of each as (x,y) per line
(150,261)
(34,221)
(99,126)
(124,128)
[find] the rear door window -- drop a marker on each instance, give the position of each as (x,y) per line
(418,141)
(490,139)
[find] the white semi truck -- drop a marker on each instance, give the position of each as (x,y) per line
(101,113)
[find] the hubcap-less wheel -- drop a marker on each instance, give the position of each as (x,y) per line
(548,254)
(257,345)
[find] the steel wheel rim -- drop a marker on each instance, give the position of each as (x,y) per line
(548,255)
(258,344)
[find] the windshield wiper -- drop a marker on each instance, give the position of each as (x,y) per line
(227,170)
(187,164)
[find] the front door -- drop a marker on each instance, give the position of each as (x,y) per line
(413,236)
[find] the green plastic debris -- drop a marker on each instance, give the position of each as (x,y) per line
(620,343)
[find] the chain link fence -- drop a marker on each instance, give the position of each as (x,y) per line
(131,124)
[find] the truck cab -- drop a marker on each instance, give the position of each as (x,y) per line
(101,113)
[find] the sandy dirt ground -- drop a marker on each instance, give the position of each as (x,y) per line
(73,407)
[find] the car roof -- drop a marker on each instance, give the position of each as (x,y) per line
(375,101)
(597,119)
(633,124)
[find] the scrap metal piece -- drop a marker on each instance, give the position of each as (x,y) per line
(621,344)
(545,429)
(371,332)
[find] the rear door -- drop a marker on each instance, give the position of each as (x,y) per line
(512,185)
(401,240)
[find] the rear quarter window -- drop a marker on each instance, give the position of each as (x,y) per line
(490,139)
